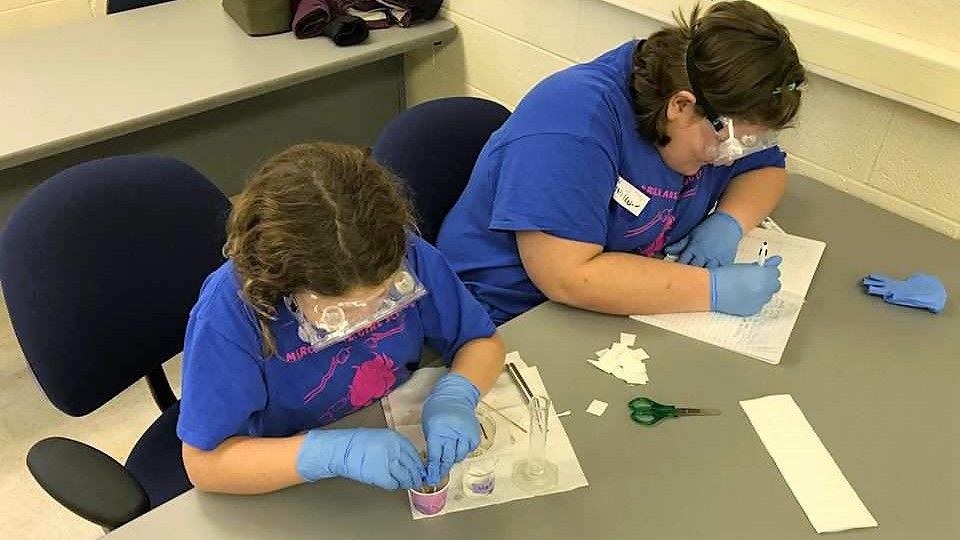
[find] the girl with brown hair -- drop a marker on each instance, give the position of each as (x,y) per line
(324,306)
(606,164)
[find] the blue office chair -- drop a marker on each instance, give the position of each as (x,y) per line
(116,6)
(100,266)
(432,147)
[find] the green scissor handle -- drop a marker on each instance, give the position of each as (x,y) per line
(648,412)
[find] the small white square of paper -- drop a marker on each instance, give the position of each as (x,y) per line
(597,407)
(628,339)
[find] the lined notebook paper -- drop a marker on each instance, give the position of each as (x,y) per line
(763,336)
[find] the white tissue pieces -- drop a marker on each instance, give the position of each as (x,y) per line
(622,361)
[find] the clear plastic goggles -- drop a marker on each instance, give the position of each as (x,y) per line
(728,146)
(323,323)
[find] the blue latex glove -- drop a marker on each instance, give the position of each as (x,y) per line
(450,424)
(743,289)
(380,457)
(918,290)
(710,244)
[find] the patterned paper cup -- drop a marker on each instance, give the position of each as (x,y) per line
(428,500)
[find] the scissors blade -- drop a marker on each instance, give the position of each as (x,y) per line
(697,412)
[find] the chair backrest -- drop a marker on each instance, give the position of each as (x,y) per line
(116,6)
(100,266)
(432,147)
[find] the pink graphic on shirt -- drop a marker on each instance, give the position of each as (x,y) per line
(375,338)
(332,414)
(298,354)
(687,180)
(338,360)
(373,379)
(690,184)
(664,217)
(660,193)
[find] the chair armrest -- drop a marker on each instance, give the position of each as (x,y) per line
(86,481)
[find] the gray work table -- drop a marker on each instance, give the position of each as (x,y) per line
(877,382)
(182,79)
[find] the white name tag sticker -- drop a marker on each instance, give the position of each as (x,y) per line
(628,196)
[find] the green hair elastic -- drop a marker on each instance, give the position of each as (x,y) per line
(795,85)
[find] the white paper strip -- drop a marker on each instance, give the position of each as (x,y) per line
(817,482)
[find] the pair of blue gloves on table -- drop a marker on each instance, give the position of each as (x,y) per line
(387,459)
(737,289)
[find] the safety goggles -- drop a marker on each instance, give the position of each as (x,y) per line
(725,145)
(322,322)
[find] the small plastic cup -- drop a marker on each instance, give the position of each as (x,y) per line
(428,500)
(479,476)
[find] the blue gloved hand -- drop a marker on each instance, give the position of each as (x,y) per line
(710,244)
(450,424)
(918,290)
(380,457)
(743,289)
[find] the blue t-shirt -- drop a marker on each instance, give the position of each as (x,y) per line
(230,389)
(554,167)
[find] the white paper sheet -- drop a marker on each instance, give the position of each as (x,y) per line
(763,336)
(402,410)
(813,476)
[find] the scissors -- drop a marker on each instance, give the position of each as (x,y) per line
(648,412)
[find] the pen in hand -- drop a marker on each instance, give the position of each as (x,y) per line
(762,255)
